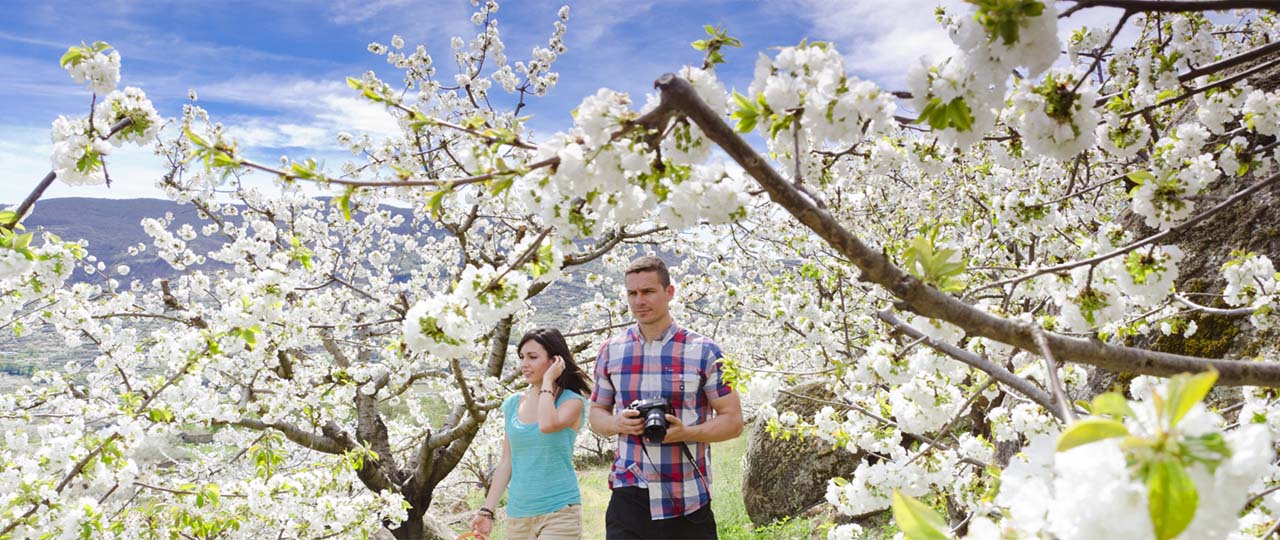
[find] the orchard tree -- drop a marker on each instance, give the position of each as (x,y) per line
(952,259)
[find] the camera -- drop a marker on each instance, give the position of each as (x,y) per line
(654,411)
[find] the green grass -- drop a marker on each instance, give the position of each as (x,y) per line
(731,514)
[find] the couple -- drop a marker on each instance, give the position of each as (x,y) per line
(661,490)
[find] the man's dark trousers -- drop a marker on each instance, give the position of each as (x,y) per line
(628,519)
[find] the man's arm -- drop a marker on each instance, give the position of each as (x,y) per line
(606,424)
(727,423)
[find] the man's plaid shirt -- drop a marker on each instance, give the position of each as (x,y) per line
(683,367)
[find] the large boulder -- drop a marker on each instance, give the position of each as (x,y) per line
(786,477)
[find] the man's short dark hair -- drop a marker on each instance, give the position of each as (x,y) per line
(650,263)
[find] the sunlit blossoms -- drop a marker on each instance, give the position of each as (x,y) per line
(78,152)
(92,64)
(905,258)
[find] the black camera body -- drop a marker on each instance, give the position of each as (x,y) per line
(654,411)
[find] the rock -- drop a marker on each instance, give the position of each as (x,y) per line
(785,478)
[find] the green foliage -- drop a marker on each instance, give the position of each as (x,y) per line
(20,243)
(299,252)
(932,265)
(214,155)
(917,520)
(75,55)
(1142,265)
(544,260)
(747,113)
(1171,500)
(1184,391)
(1059,99)
(342,201)
(1090,430)
(1001,17)
(267,454)
(717,38)
(952,114)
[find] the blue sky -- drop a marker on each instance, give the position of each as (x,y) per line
(273,72)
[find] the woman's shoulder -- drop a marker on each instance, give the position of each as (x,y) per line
(567,394)
(511,401)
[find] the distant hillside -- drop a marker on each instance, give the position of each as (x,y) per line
(111,226)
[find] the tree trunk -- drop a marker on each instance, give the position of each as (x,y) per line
(411,528)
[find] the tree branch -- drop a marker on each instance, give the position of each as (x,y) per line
(932,303)
(996,371)
(48,179)
(1172,6)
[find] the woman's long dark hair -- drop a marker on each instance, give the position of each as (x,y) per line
(573,378)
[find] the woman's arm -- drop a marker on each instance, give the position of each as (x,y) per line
(482,523)
(550,418)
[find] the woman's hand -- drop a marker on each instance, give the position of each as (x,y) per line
(553,373)
(481,524)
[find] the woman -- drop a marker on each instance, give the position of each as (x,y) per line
(541,425)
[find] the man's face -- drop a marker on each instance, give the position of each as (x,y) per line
(648,299)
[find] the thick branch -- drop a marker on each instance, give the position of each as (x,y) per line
(1173,6)
(931,302)
(314,441)
(371,430)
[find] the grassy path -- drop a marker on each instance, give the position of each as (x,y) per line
(731,514)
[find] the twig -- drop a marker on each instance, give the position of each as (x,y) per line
(1172,231)
(1213,311)
(1059,392)
(996,371)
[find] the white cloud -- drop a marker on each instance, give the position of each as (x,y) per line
(300,113)
(879,40)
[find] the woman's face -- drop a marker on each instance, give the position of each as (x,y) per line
(533,361)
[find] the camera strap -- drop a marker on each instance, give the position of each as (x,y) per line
(688,454)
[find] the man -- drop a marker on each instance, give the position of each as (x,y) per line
(661,491)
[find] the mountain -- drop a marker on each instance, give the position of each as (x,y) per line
(112,226)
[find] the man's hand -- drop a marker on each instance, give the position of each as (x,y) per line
(628,422)
(677,431)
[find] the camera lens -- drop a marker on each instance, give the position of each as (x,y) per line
(655,425)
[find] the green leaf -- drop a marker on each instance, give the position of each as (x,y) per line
(700,45)
(343,201)
(1090,430)
(71,57)
(1111,403)
(195,139)
(961,116)
(1185,391)
(436,204)
(917,520)
(1140,177)
(22,241)
(499,185)
(158,415)
(1171,498)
